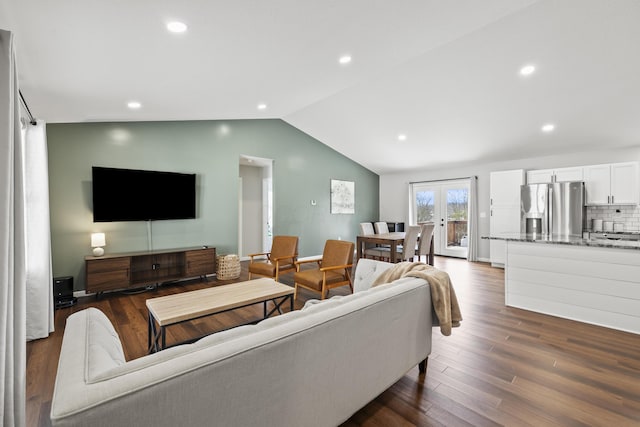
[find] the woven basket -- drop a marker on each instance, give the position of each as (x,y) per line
(228,267)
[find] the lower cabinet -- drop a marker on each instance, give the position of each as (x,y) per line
(130,270)
(199,262)
(107,274)
(597,285)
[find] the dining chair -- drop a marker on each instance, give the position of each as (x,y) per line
(371,250)
(333,270)
(381,227)
(281,259)
(425,243)
(408,250)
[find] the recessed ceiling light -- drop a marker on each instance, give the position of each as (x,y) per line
(262,106)
(549,127)
(527,70)
(402,137)
(345,59)
(177,27)
(134,105)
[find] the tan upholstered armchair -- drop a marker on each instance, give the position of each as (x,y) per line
(281,259)
(334,269)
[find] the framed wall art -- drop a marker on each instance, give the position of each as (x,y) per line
(343,197)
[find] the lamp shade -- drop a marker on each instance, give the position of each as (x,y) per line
(97,240)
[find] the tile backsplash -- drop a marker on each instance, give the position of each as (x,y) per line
(628,215)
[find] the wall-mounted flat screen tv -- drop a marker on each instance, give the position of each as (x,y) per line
(142,195)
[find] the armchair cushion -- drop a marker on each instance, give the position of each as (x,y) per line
(313,278)
(269,268)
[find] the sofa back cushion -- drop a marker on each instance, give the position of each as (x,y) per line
(367,270)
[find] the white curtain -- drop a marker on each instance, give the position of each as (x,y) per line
(39,298)
(472,253)
(12,243)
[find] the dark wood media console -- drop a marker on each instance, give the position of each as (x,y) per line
(136,269)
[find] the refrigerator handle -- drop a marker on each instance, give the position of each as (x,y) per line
(549,207)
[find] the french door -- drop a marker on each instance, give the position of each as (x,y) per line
(446,205)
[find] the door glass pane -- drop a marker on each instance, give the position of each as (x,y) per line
(457,212)
(424,206)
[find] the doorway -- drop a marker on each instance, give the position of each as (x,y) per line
(255,205)
(446,205)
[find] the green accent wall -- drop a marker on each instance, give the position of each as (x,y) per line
(302,170)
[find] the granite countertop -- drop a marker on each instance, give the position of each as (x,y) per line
(567,240)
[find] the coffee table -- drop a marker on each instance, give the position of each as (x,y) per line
(173,309)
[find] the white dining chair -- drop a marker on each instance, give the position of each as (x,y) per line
(425,243)
(407,251)
(381,227)
(366,229)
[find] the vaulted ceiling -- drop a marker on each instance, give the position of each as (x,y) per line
(430,83)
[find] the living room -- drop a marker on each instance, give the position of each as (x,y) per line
(328,135)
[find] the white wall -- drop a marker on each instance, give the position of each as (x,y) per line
(394,188)
(251,209)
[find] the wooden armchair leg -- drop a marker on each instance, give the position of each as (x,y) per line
(422,366)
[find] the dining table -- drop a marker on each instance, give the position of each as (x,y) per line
(393,240)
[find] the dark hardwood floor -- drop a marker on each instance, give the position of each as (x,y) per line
(503,366)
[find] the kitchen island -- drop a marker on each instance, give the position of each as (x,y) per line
(594,281)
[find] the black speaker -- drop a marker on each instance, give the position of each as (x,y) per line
(395,226)
(63,291)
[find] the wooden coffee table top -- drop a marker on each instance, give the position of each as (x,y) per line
(177,308)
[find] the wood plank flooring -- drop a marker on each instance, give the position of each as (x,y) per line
(503,366)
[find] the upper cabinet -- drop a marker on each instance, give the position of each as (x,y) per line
(606,184)
(612,184)
(545,176)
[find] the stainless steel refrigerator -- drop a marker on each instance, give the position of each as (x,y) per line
(555,209)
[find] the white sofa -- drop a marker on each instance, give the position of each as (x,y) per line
(312,367)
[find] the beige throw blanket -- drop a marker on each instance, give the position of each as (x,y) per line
(443,296)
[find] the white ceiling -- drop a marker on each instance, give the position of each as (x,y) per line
(445,73)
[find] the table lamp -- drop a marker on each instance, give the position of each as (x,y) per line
(97,243)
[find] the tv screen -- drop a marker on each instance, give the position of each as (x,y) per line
(142,195)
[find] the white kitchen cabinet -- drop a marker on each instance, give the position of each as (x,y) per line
(505,210)
(540,176)
(612,184)
(568,174)
(545,176)
(624,184)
